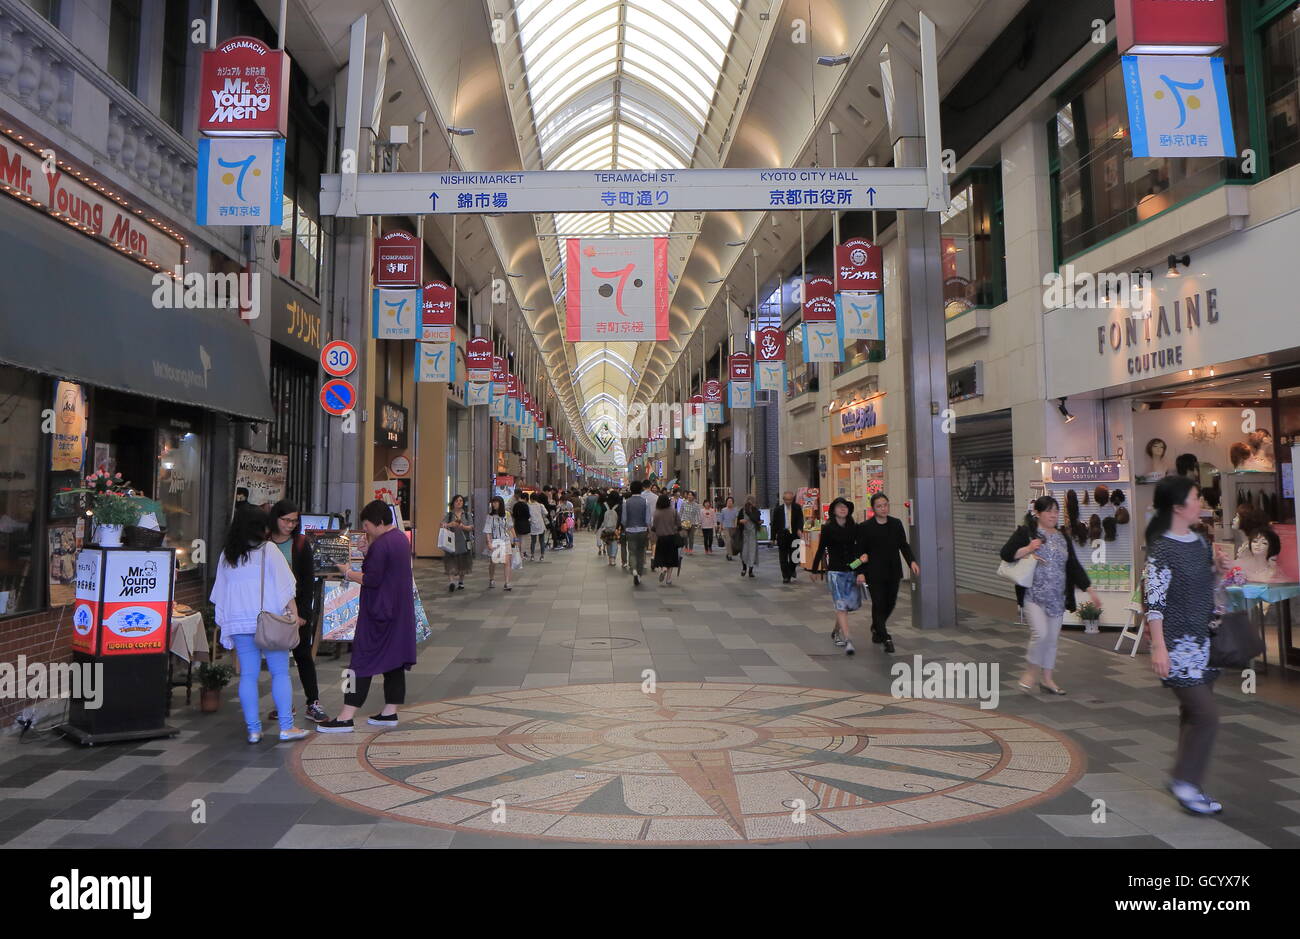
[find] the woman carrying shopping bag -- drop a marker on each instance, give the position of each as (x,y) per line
(1057,576)
(458,559)
(500,531)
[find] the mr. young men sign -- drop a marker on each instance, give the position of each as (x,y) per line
(244,90)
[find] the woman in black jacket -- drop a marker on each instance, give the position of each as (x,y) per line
(844,554)
(286,535)
(747,524)
(884,539)
(1056,577)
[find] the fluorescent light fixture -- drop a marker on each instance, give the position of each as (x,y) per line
(1153,49)
(460,131)
(735,244)
(833,60)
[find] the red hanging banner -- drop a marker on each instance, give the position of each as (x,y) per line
(397,260)
(770,344)
(478,358)
(1171,27)
(244,90)
(713,391)
(819,300)
(859,265)
(741,366)
(499,373)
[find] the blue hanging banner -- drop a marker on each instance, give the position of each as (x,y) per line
(436,362)
(861,314)
(823,342)
(1178,106)
(240,181)
(396,314)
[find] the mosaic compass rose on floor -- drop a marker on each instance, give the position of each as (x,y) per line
(691,763)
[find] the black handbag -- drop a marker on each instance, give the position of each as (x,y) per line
(1236,643)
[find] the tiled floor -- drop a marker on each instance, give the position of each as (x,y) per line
(579,710)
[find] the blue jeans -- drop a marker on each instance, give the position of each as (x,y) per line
(612,548)
(250,670)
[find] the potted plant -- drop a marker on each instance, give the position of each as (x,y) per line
(1089,612)
(113,507)
(113,512)
(212,678)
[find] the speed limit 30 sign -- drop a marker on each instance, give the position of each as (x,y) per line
(338,358)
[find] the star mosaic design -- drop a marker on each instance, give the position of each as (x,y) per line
(691,763)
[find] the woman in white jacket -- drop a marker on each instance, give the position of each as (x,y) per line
(253,576)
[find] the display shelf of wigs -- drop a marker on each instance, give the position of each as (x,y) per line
(1098,521)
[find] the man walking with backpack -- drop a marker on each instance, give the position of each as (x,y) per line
(636,515)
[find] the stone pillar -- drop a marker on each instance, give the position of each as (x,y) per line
(925,366)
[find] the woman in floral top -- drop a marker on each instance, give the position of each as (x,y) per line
(1180,578)
(1056,577)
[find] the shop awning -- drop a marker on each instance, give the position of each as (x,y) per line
(72,308)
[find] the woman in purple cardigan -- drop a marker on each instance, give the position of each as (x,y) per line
(385,637)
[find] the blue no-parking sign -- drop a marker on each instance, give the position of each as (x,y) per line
(337,396)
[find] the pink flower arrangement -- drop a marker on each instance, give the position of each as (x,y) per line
(101,483)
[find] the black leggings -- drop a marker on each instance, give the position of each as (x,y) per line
(708,539)
(1198,723)
(394,689)
(306,664)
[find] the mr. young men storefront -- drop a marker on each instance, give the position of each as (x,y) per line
(80,335)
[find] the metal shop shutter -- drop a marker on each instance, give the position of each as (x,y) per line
(984,509)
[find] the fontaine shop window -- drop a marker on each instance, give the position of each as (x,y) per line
(1099,190)
(1276,42)
(22,398)
(972,244)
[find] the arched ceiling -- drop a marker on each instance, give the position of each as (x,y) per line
(615,84)
(638,84)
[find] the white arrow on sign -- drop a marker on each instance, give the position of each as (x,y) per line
(849,188)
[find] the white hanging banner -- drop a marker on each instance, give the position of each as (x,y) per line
(740,394)
(1178,106)
(240,181)
(498,405)
(616,289)
(823,342)
(478,392)
(769,376)
(862,314)
(396,314)
(437,362)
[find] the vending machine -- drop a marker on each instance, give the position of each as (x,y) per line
(121,624)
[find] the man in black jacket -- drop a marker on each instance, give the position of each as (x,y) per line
(884,540)
(787,525)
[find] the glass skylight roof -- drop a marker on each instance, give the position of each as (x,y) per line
(620,84)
